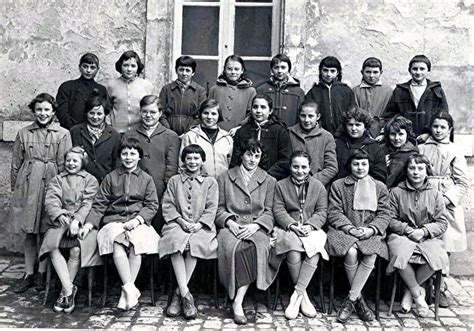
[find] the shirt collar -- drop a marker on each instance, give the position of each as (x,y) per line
(123,171)
(423,83)
(363,84)
(184,176)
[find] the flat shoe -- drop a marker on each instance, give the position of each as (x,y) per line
(122,304)
(421,306)
(406,301)
(307,308)
(293,308)
(240,319)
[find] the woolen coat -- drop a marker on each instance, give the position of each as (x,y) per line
(194,200)
(286,210)
(38,155)
(395,159)
(218,155)
(321,147)
(412,209)
(342,218)
(103,153)
(247,204)
(72,196)
(450,177)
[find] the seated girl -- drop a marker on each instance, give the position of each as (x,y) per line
(189,233)
(245,221)
(415,245)
(68,202)
(123,209)
(299,208)
(358,215)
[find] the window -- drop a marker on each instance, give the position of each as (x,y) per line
(211,30)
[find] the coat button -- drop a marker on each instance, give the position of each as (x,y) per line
(247,201)
(246,217)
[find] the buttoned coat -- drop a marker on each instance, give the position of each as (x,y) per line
(103,153)
(195,200)
(38,155)
(342,218)
(247,204)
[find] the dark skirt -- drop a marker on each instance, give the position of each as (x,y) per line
(69,242)
(245,263)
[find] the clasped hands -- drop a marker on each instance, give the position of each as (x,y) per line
(416,235)
(301,230)
(242,232)
(362,232)
(75,228)
(188,226)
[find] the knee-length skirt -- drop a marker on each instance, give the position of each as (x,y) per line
(339,243)
(313,244)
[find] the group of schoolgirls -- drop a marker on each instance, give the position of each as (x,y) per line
(249,197)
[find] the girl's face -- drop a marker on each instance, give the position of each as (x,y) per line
(281,70)
(419,71)
(261,110)
(300,167)
(233,70)
(397,138)
(309,118)
(73,163)
(193,162)
(43,112)
(250,160)
(355,129)
(185,74)
(130,158)
(440,129)
(209,117)
(371,75)
(360,168)
(88,70)
(329,75)
(129,68)
(150,114)
(96,116)
(416,173)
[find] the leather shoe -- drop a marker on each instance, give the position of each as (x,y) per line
(174,308)
(24,284)
(345,312)
(363,310)
(421,306)
(240,319)
(406,301)
(40,281)
(307,308)
(189,309)
(293,308)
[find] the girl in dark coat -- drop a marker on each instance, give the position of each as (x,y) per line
(358,215)
(266,128)
(354,135)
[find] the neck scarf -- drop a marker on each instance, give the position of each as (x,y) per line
(302,191)
(246,174)
(149,129)
(182,86)
(211,133)
(95,132)
(365,194)
(259,128)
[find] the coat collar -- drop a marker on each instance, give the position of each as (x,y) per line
(290,82)
(123,171)
(174,85)
(81,173)
(405,185)
(105,135)
(431,141)
(53,126)
(158,130)
(220,133)
(430,84)
(363,84)
(184,176)
(298,131)
(257,179)
(244,83)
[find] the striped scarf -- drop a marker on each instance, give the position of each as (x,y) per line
(302,190)
(95,132)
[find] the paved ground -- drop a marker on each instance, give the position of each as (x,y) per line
(26,311)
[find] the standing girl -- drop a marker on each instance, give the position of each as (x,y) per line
(126,91)
(68,202)
(38,155)
(450,177)
(234,92)
(358,216)
(216,142)
(300,207)
(123,209)
(417,227)
(400,143)
(271,132)
(189,210)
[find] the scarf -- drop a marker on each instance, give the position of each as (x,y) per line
(246,174)
(259,128)
(149,129)
(230,82)
(211,133)
(182,86)
(302,191)
(279,84)
(365,194)
(95,132)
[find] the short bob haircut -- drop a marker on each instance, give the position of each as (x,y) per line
(43,97)
(372,62)
(127,56)
(210,103)
(330,62)
(299,153)
(308,104)
(420,58)
(185,61)
(236,58)
(96,100)
(419,158)
(89,58)
(397,124)
(131,143)
(280,58)
(250,145)
(193,149)
(359,115)
(149,100)
(444,115)
(81,151)
(358,154)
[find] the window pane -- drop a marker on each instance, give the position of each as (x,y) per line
(253,31)
(200,30)
(258,71)
(206,72)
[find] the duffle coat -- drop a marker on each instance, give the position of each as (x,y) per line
(38,155)
(342,218)
(103,153)
(396,159)
(248,204)
(72,196)
(320,145)
(421,208)
(218,155)
(450,177)
(195,200)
